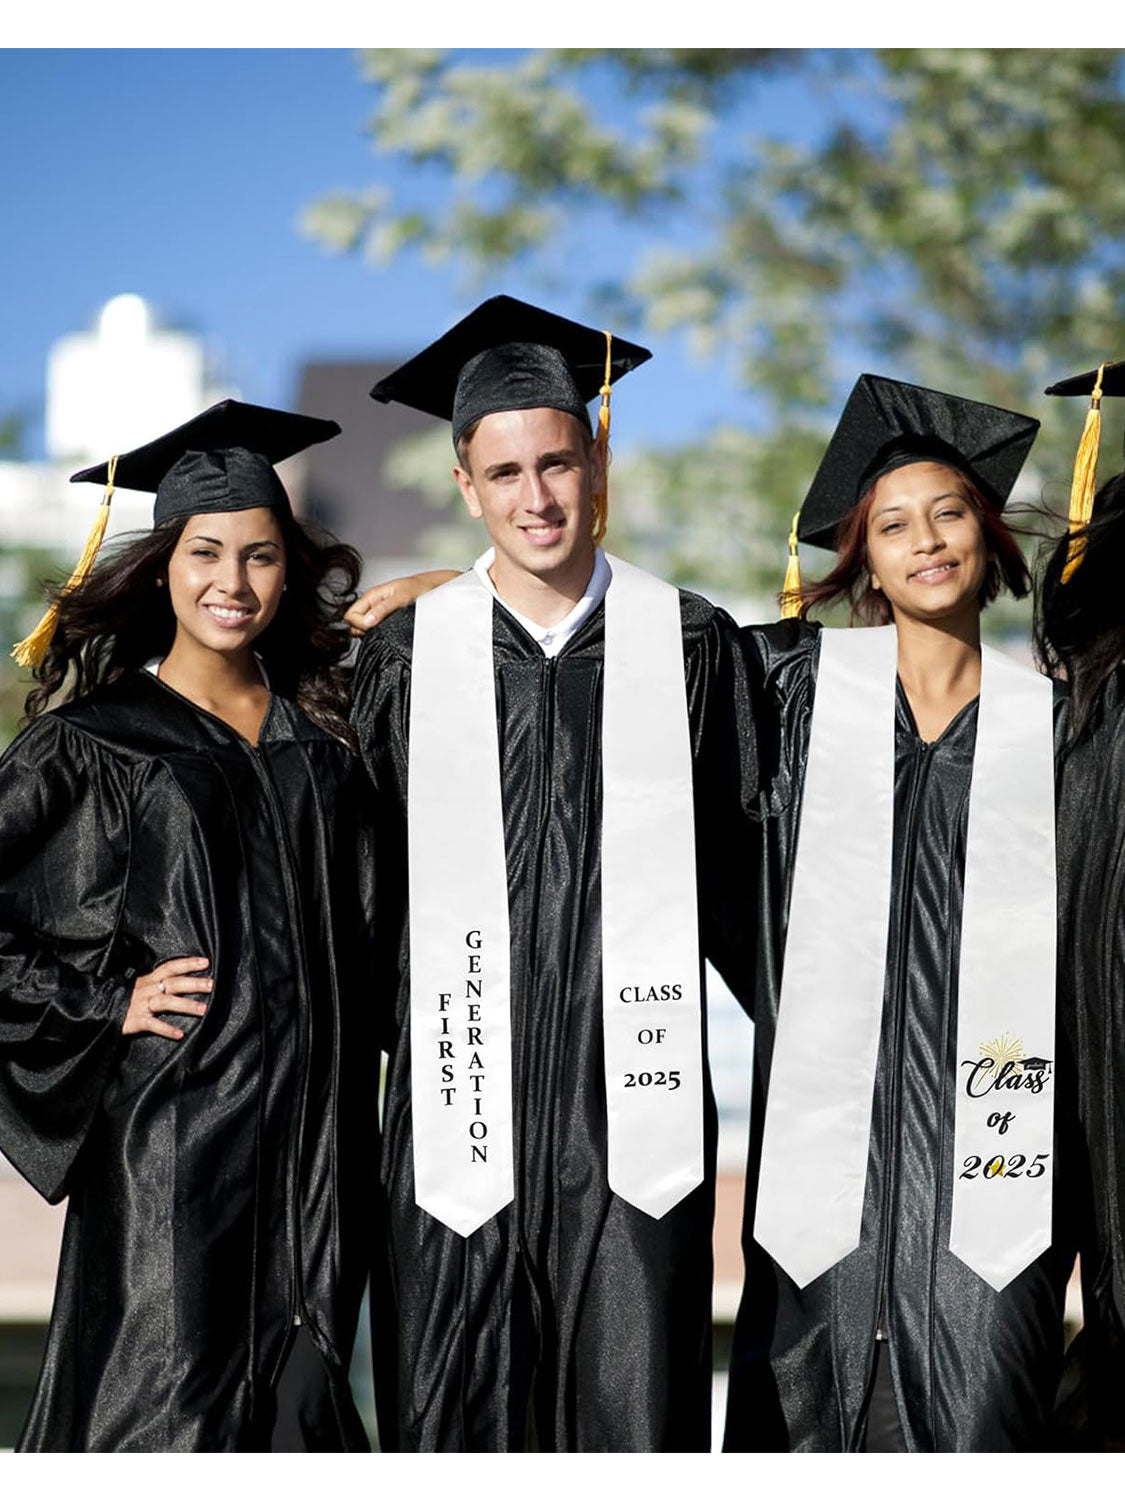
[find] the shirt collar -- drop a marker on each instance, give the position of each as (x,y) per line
(552,638)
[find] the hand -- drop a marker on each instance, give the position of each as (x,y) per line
(374,605)
(167,989)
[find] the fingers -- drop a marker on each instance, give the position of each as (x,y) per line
(369,609)
(172,987)
(186,984)
(179,966)
(159,1028)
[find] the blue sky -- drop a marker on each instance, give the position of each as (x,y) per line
(180,175)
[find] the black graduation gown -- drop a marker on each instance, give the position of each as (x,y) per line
(219,1185)
(972,1368)
(1091,863)
(571,1320)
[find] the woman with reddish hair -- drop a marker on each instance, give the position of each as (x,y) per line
(905,1264)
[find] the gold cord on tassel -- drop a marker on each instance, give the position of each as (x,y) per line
(31,651)
(1083,483)
(600,518)
(791,588)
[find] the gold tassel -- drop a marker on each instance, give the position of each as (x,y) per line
(1082,485)
(791,588)
(600,518)
(31,651)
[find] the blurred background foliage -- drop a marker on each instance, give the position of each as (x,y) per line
(954,217)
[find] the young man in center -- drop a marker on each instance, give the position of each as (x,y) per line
(552,736)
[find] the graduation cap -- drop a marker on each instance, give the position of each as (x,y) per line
(1107,380)
(888,423)
(508,355)
(221,460)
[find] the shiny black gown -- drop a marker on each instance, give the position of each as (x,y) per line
(972,1368)
(221,1185)
(1091,857)
(571,1320)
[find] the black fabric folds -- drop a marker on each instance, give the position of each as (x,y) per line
(219,1185)
(571,1320)
(972,1369)
(1091,861)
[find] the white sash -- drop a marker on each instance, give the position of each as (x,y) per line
(818,1109)
(822,1075)
(1004,1124)
(651,1000)
(460,1019)
(460,1022)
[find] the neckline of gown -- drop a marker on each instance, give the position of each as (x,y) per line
(912,723)
(216,718)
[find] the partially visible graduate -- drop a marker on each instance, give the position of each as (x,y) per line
(553,735)
(906,1262)
(1080,634)
(186,1036)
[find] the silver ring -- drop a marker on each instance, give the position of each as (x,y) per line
(160,986)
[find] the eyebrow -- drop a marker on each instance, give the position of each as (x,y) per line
(215,542)
(886,510)
(568,455)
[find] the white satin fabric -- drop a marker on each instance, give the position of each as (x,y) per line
(818,1113)
(460,1012)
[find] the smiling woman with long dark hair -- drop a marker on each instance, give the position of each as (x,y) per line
(186,1045)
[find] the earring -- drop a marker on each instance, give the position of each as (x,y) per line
(160,583)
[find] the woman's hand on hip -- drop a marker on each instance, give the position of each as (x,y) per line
(171,987)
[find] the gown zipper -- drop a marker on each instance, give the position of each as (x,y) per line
(919,770)
(298,1310)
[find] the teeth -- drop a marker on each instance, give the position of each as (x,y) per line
(228,614)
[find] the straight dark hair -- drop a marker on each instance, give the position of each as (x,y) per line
(120,618)
(1080,624)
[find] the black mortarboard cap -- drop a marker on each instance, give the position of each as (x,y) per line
(888,423)
(222,460)
(508,356)
(1113,382)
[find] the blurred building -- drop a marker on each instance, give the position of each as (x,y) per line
(346,487)
(108,388)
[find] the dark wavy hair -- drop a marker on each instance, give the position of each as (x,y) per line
(850,577)
(1080,624)
(119,618)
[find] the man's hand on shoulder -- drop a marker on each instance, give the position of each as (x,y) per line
(375,604)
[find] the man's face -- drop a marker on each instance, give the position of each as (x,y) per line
(531,476)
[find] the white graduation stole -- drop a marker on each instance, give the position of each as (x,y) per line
(818,1111)
(1004,1126)
(817,1129)
(460,1016)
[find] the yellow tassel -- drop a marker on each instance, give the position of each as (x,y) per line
(31,651)
(1082,485)
(791,588)
(600,518)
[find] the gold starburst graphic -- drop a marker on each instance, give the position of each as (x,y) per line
(1005,1048)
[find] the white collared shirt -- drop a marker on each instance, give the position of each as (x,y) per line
(552,638)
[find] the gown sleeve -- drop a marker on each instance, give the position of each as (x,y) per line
(381,720)
(64,855)
(726,773)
